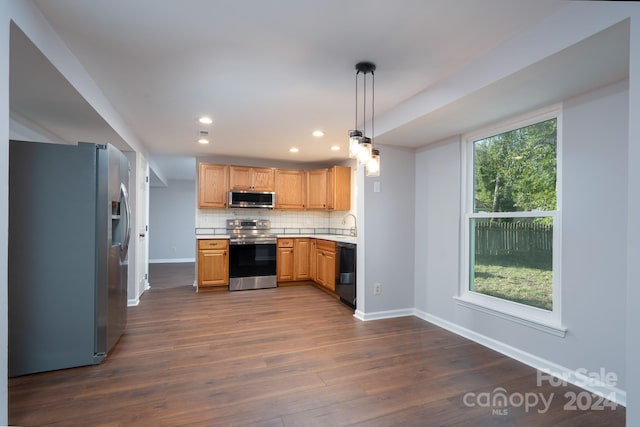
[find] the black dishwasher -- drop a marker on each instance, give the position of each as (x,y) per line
(346,273)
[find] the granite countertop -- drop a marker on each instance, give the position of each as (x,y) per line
(332,237)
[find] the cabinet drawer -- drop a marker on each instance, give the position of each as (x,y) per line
(326,245)
(213,244)
(285,243)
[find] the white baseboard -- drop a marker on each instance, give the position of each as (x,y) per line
(384,314)
(133,302)
(170,260)
(571,376)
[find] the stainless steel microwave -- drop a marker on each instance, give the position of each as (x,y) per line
(252,199)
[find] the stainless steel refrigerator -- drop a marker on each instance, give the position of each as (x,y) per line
(69,230)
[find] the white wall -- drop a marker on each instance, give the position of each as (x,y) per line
(389,234)
(29,19)
(594,195)
(594,228)
(437,227)
(172,222)
(4,201)
(633,228)
(138,199)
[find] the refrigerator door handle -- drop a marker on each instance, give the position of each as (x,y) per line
(124,246)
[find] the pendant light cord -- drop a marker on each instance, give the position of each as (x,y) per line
(373,103)
(364,106)
(355,126)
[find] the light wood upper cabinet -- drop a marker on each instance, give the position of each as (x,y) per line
(247,178)
(290,189)
(212,185)
(317,189)
(329,188)
(339,188)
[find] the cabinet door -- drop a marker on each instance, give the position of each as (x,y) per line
(329,275)
(263,179)
(245,178)
(320,269)
(213,267)
(313,261)
(290,189)
(339,188)
(301,254)
(317,189)
(284,264)
(212,185)
(239,178)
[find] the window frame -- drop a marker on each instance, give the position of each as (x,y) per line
(544,320)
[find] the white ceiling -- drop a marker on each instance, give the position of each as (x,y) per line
(270,72)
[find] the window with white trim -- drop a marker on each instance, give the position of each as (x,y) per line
(511,220)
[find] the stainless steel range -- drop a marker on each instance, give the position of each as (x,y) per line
(252,254)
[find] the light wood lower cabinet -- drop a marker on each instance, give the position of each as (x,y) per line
(213,263)
(300,259)
(301,254)
(293,259)
(325,260)
(284,260)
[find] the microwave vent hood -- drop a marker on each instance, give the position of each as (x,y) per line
(252,199)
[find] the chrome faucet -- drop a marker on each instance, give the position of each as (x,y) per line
(354,229)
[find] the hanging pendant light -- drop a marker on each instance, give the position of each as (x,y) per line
(354,140)
(364,150)
(373,165)
(360,145)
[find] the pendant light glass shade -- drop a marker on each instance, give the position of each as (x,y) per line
(364,150)
(354,141)
(373,165)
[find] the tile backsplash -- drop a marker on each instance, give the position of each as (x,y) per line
(281,221)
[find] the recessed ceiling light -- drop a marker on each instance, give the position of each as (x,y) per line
(205,120)
(203,141)
(318,133)
(335,147)
(293,150)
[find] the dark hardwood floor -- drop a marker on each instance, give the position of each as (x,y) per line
(291,356)
(171,275)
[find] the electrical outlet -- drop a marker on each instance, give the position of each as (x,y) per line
(377,289)
(173,249)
